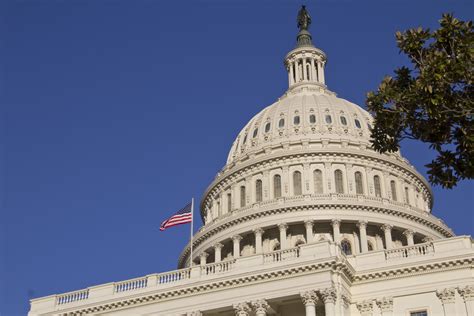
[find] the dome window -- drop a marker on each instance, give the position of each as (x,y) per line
(255,133)
(312,119)
(296,120)
(267,127)
(245,140)
(357,123)
(343,120)
(281,123)
(328,119)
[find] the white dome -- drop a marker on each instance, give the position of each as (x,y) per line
(304,115)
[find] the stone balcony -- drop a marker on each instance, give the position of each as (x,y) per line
(324,253)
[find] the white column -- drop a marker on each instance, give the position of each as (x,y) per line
(297,71)
(346,304)
(363,236)
(336,223)
(236,242)
(409,236)
(242,309)
(303,63)
(290,73)
(217,252)
(448,298)
(467,293)
(261,307)
(385,305)
(387,229)
(308,224)
(329,298)
(321,73)
(203,258)
(258,240)
(283,227)
(309,299)
(357,243)
(313,71)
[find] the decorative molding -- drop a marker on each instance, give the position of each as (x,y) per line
(467,293)
(328,295)
(365,307)
(260,306)
(385,304)
(447,296)
(242,309)
(346,301)
(309,297)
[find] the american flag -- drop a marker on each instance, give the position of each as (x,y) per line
(183,216)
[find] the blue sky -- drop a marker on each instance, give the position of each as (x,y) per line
(115,113)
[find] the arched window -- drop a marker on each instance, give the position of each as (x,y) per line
(258,190)
(328,119)
(281,123)
(378,189)
(393,188)
(357,123)
(297,187)
(343,120)
(296,120)
(318,181)
(358,181)
(229,202)
(245,140)
(277,186)
(312,118)
(242,196)
(338,180)
(267,127)
(370,247)
(255,133)
(346,247)
(307,71)
(407,196)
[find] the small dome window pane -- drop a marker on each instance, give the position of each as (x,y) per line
(312,118)
(267,127)
(343,120)
(328,119)
(281,123)
(255,133)
(245,139)
(296,120)
(357,123)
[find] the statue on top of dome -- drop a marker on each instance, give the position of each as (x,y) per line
(304,19)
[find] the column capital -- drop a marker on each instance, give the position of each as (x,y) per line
(236,238)
(335,222)
(308,223)
(408,232)
(260,306)
(242,309)
(283,226)
(385,304)
(218,245)
(427,239)
(204,255)
(309,297)
(346,301)
(467,293)
(365,307)
(258,231)
(447,296)
(328,295)
(386,227)
(362,224)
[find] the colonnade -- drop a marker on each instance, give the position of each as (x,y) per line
(308,69)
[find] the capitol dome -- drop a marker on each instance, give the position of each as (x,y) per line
(303,170)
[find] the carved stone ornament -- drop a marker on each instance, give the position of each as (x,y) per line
(346,301)
(385,304)
(328,295)
(447,296)
(194,313)
(365,307)
(467,293)
(309,297)
(242,309)
(260,306)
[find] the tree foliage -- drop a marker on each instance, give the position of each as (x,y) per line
(431,101)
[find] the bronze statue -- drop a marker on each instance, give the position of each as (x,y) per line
(304,19)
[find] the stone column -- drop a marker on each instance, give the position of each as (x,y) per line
(217,252)
(329,298)
(363,236)
(336,223)
(283,227)
(385,305)
(261,307)
(203,258)
(409,236)
(303,63)
(309,299)
(258,240)
(236,242)
(242,309)
(365,308)
(308,224)
(387,229)
(321,72)
(448,298)
(356,242)
(346,304)
(290,73)
(313,71)
(467,293)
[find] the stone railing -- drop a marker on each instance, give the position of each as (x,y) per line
(282,255)
(72,297)
(218,267)
(173,276)
(130,285)
(410,251)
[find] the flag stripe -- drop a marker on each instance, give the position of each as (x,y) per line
(183,216)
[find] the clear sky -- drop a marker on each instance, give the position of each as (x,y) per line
(115,113)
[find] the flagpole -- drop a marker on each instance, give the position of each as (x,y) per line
(192,221)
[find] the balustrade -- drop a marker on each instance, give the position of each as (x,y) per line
(411,251)
(72,297)
(130,285)
(218,267)
(174,276)
(281,255)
